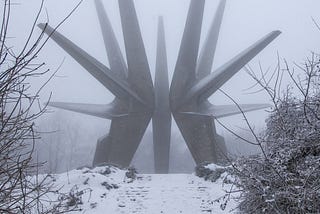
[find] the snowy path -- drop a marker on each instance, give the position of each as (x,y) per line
(108,191)
(173,193)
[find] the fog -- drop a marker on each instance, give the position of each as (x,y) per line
(244,22)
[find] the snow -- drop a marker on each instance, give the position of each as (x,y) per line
(108,190)
(214,167)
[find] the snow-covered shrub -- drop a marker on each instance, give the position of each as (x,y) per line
(285,177)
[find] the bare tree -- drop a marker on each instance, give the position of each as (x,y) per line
(19,108)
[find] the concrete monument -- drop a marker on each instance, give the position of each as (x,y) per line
(137,100)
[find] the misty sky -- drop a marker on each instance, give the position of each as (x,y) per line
(245,21)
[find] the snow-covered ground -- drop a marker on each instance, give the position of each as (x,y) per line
(108,190)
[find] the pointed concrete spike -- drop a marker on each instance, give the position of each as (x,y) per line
(210,84)
(117,86)
(161,120)
(229,110)
(185,70)
(116,60)
(139,76)
(207,53)
(108,111)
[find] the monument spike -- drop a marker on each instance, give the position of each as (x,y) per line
(107,111)
(118,87)
(117,64)
(219,111)
(229,110)
(210,84)
(139,76)
(161,120)
(185,70)
(208,50)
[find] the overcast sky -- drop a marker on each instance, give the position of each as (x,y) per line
(245,21)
